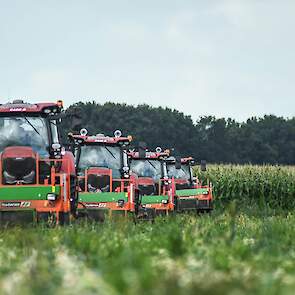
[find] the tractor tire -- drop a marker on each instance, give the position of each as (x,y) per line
(47,218)
(137,201)
(64,218)
(145,214)
(74,195)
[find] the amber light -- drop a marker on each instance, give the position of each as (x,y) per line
(60,103)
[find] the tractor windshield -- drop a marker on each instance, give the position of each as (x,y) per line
(24,131)
(147,168)
(101,156)
(183,173)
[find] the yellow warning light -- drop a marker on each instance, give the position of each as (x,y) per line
(60,103)
(167,151)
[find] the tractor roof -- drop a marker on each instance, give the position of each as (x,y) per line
(148,155)
(19,106)
(99,139)
(188,160)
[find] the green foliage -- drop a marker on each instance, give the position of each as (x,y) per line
(269,139)
(273,186)
(156,126)
(225,253)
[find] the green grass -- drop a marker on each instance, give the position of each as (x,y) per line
(247,246)
(226,253)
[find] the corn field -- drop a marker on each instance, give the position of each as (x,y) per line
(273,186)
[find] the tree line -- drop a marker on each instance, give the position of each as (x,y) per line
(269,139)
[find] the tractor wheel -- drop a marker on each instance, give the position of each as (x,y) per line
(64,218)
(145,214)
(137,201)
(74,196)
(47,218)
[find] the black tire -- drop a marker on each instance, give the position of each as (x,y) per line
(137,202)
(74,195)
(146,214)
(47,218)
(64,218)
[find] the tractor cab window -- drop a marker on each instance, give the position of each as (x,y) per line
(24,131)
(147,168)
(102,157)
(183,173)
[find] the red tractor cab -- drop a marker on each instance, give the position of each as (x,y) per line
(105,185)
(37,176)
(190,193)
(156,190)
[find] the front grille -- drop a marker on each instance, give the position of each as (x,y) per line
(98,183)
(19,170)
(187,204)
(147,190)
(204,204)
(183,186)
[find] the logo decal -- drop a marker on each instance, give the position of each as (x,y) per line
(10,204)
(15,204)
(95,205)
(25,204)
(17,109)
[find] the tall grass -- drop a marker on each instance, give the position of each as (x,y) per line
(228,252)
(219,254)
(273,186)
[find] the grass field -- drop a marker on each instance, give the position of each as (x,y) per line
(226,253)
(244,247)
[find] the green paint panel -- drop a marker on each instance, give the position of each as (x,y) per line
(102,197)
(26,192)
(153,199)
(191,192)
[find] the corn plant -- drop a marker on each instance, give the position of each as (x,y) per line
(271,185)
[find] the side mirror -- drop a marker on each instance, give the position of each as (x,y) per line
(203,166)
(178,163)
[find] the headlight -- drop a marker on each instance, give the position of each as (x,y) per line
(56,146)
(29,178)
(125,168)
(164,201)
(10,179)
(121,203)
(83,132)
(51,197)
(47,111)
(118,133)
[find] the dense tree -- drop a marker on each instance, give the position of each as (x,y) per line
(269,139)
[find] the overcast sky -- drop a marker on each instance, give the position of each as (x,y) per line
(228,58)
